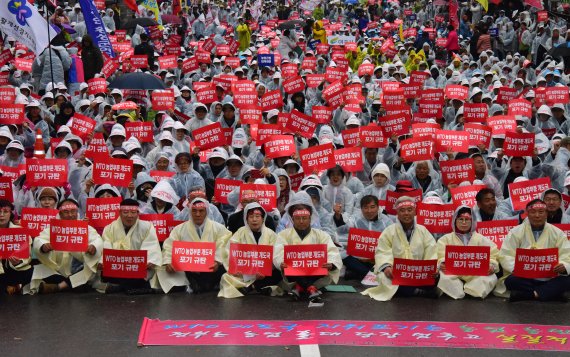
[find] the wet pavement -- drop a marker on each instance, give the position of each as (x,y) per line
(94,324)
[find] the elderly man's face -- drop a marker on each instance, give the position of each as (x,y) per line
(537,216)
(406,215)
(198,215)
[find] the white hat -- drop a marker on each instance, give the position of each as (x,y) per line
(218,153)
(15,144)
(272,113)
(383,169)
(277,75)
(63,129)
(164,191)
(520,179)
(117,91)
(544,109)
(5,132)
(475,91)
(353,120)
(118,130)
(166,135)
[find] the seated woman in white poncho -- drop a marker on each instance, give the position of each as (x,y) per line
(464,235)
(254,232)
(199,228)
(301,209)
(128,232)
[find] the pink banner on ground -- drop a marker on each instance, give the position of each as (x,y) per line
(354,333)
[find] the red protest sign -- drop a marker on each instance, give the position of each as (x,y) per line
(167,62)
(320,157)
(245,99)
(456,141)
(301,123)
(322,114)
(433,95)
(456,91)
(362,243)
(564,227)
(475,112)
(501,124)
(223,50)
(266,194)
(305,259)
(69,236)
(222,188)
(6,192)
(280,146)
(126,264)
(293,85)
(161,175)
(161,222)
(521,107)
(457,171)
(11,114)
(393,98)
(209,136)
(465,195)
(335,74)
(251,259)
(36,220)
(24,65)
(46,172)
(140,130)
(14,242)
(436,218)
(193,256)
(296,180)
(97,85)
(322,49)
(289,70)
(314,80)
(417,149)
(243,86)
(536,263)
(430,108)
(351,137)
(350,159)
(366,69)
(411,90)
(418,77)
(557,95)
(478,134)
(206,94)
(139,61)
(5,56)
(425,129)
(505,95)
(542,16)
(496,231)
(519,144)
(7,95)
(110,67)
(13,172)
(372,136)
(162,99)
(250,114)
(190,64)
(272,100)
(102,211)
(117,172)
(396,124)
(97,148)
(523,192)
(410,272)
(203,57)
(82,125)
(467,260)
(266,131)
(392,197)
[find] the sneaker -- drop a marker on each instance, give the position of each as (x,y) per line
(313,292)
(316,300)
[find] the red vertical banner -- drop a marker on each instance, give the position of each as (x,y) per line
(102,211)
(305,259)
(126,264)
(161,222)
(69,236)
(117,172)
(14,242)
(536,263)
(467,260)
(251,259)
(496,231)
(362,243)
(193,256)
(410,272)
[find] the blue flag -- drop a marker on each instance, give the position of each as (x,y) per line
(96,28)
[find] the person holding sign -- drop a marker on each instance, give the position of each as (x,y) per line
(15,272)
(199,228)
(535,234)
(130,233)
(404,239)
(464,235)
(301,210)
(58,270)
(254,232)
(553,200)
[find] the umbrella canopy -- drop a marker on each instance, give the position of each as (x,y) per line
(142,21)
(171,19)
(562,50)
(291,24)
(137,80)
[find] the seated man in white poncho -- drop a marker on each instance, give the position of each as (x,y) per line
(464,235)
(403,239)
(301,209)
(64,270)
(199,228)
(128,232)
(254,232)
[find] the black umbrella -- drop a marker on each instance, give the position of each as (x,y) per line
(141,21)
(562,50)
(138,80)
(291,24)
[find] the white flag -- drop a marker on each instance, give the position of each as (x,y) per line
(21,20)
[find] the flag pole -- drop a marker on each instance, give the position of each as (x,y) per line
(49,48)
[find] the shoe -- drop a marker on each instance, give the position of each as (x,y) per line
(246,290)
(139,291)
(313,292)
(316,300)
(266,291)
(48,288)
(519,296)
(113,289)
(430,294)
(295,295)
(14,289)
